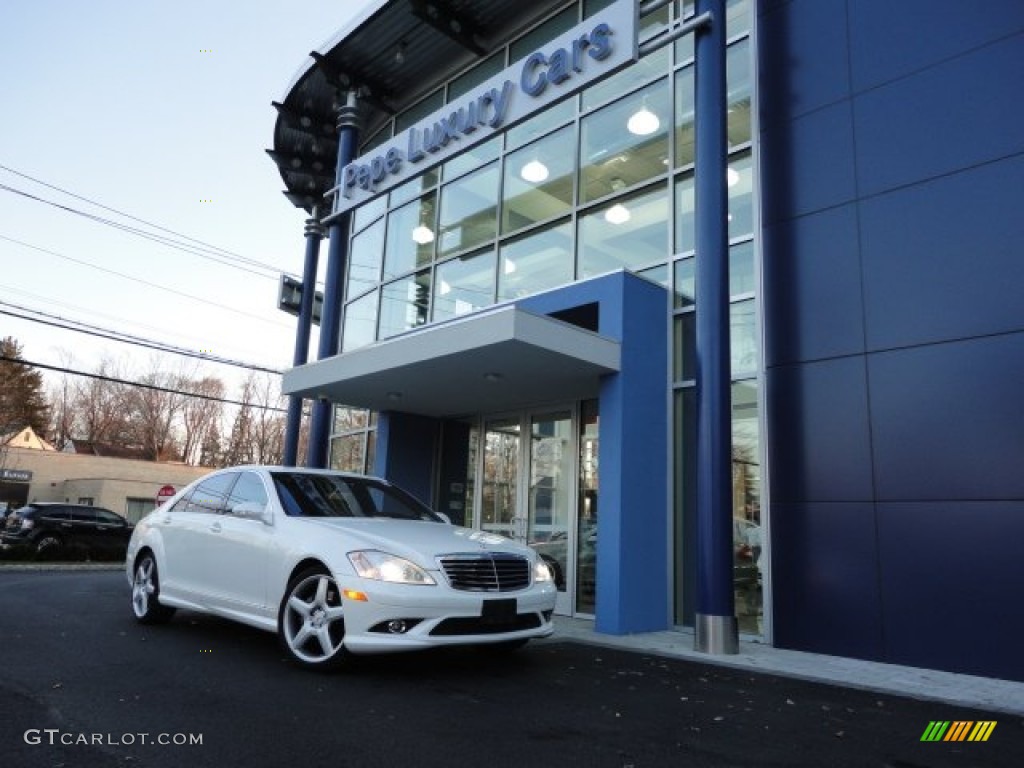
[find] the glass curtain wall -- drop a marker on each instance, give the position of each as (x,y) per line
(600,181)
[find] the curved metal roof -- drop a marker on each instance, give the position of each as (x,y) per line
(437,39)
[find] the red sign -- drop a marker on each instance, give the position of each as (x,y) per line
(164,494)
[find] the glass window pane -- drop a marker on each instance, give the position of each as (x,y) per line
(684,487)
(629,232)
(371,450)
(738,79)
(536,262)
(741,269)
(360,323)
(366,253)
(644,70)
(684,45)
(684,354)
(737,18)
(368,212)
(463,285)
(347,419)
(410,239)
(380,137)
(347,453)
(549,30)
(658,274)
(414,187)
(471,158)
(685,112)
(469,211)
(625,142)
(419,110)
(539,181)
(743,337)
(686,234)
(685,283)
(463,84)
(741,207)
(404,304)
(746,507)
(538,125)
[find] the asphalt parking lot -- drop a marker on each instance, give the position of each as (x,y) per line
(83,685)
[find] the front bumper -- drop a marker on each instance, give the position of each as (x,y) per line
(431,616)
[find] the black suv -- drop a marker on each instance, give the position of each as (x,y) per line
(48,528)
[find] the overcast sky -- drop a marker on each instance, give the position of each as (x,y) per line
(163,110)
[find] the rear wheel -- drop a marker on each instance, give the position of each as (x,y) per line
(146,593)
(311,620)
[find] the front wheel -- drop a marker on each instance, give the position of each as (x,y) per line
(146,593)
(311,621)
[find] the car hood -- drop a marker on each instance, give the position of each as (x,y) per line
(416,540)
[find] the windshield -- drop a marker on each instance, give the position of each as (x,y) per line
(308,495)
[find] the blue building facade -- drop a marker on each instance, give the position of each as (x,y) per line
(517,317)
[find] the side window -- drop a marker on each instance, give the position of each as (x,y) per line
(82,515)
(211,495)
(181,505)
(59,514)
(106,517)
(248,488)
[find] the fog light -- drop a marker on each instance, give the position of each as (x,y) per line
(397,627)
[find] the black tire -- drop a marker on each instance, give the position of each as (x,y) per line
(48,545)
(310,621)
(146,593)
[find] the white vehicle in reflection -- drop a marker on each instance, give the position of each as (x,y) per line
(334,563)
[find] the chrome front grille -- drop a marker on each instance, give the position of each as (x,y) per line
(486,571)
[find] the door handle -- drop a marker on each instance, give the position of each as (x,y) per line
(167,519)
(65,525)
(215,528)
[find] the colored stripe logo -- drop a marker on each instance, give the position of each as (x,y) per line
(958,730)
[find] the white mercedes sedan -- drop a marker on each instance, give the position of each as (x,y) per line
(334,563)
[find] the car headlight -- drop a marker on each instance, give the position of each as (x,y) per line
(372,564)
(542,571)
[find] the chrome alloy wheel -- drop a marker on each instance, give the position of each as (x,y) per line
(312,619)
(143,587)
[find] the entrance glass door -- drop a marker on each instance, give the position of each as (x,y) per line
(500,481)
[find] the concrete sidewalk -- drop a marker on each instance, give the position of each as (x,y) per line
(925,684)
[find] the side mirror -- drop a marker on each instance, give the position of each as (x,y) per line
(251,510)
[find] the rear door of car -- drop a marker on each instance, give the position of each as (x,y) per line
(83,527)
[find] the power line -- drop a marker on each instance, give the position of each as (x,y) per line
(139,280)
(154,387)
(205,246)
(104,333)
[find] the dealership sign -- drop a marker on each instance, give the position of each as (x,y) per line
(16,475)
(591,50)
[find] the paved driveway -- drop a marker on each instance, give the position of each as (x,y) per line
(77,668)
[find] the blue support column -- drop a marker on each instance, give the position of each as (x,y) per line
(314,234)
(716,626)
(334,287)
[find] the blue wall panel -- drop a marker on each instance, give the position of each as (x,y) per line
(825,579)
(811,268)
(942,260)
(948,420)
(818,435)
(961,113)
(405,452)
(953,575)
(893,39)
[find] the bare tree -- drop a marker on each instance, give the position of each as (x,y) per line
(200,421)
(257,433)
(96,405)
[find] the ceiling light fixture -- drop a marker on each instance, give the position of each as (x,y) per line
(617,214)
(643,122)
(423,235)
(732,176)
(534,171)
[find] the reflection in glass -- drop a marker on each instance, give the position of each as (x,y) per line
(535,262)
(633,76)
(369,211)
(404,304)
(419,110)
(551,464)
(347,453)
(469,211)
(413,188)
(463,285)
(365,255)
(748,544)
(684,507)
(741,206)
(738,79)
(410,238)
(540,124)
(685,112)
(658,274)
(685,283)
(538,181)
(464,83)
(360,322)
(471,158)
(346,418)
(686,204)
(741,268)
(684,346)
(612,157)
(586,521)
(501,476)
(629,232)
(742,337)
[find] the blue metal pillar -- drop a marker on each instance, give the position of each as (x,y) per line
(716,626)
(314,234)
(334,286)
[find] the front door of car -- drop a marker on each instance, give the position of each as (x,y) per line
(238,546)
